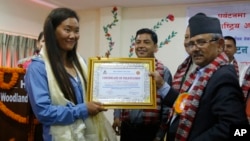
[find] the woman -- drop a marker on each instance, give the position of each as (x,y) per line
(186,67)
(24,63)
(56,84)
(40,43)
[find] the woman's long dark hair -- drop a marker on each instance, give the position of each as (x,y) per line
(55,18)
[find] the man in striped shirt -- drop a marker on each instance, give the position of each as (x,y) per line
(146,124)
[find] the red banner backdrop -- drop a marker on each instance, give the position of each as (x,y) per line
(16,120)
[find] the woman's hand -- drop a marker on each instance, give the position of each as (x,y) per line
(95,107)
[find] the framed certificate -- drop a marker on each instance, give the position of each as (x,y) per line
(122,83)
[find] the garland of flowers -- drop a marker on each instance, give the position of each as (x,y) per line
(106,31)
(8,85)
(15,75)
(170,17)
(14,116)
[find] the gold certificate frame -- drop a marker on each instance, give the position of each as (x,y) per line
(122,83)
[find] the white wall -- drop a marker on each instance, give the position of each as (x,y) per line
(19,17)
(27,18)
(93,42)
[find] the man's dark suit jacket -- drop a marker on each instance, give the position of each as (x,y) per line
(221,106)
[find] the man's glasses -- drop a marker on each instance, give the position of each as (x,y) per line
(200,43)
